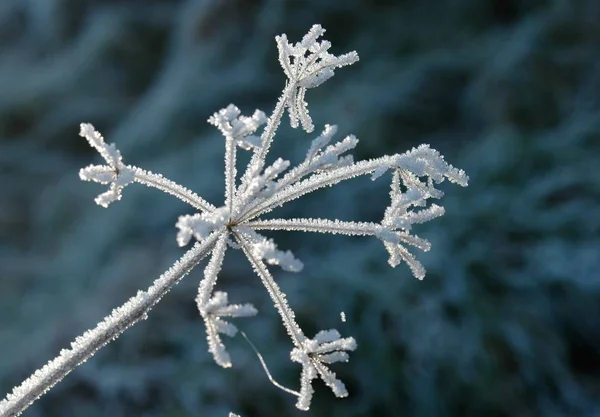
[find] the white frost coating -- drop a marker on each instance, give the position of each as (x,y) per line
(235,223)
(159,182)
(212,312)
(116,174)
(239,128)
(277,296)
(213,309)
(259,186)
(119,175)
(307,64)
(200,225)
(325,348)
(211,272)
(322,140)
(266,249)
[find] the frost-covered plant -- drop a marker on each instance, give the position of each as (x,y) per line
(262,188)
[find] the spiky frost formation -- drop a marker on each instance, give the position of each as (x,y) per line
(307,64)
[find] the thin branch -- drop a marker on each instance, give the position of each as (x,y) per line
(211,271)
(277,296)
(230,171)
(317,225)
(264,365)
(260,153)
(269,133)
(163,184)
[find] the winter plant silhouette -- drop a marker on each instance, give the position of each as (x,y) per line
(261,188)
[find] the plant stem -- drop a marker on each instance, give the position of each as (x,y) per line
(84,346)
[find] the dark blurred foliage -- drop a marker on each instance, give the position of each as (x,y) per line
(507,321)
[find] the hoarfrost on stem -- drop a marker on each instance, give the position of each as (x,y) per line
(236,223)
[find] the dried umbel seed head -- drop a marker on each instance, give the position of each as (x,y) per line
(236,222)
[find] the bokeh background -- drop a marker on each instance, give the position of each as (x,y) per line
(507,321)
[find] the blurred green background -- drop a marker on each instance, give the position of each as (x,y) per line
(507,321)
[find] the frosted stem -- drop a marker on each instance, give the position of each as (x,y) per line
(163,184)
(269,133)
(230,171)
(84,346)
(317,225)
(277,296)
(267,136)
